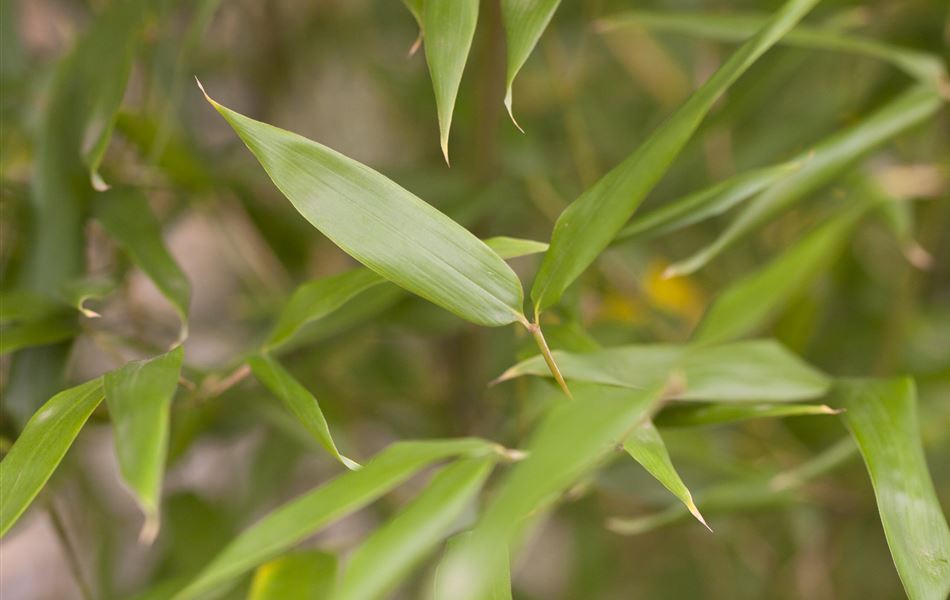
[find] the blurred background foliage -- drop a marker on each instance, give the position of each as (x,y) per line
(390,367)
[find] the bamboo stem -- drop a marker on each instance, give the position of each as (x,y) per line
(535,330)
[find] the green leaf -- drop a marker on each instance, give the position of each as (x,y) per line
(646,447)
(299,401)
(706,203)
(820,166)
(319,298)
(384,226)
(126,216)
(524,21)
(77,292)
(415,7)
(300,518)
(739,27)
(303,575)
(589,224)
(139,396)
(45,330)
(748,371)
(449,28)
(717,414)
(41,446)
(572,439)
(392,552)
(748,304)
(499,588)
(882,418)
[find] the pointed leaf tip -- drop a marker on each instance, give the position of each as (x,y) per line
(511,113)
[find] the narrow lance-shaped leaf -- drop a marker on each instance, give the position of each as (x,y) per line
(748,371)
(304,516)
(41,446)
(126,216)
(646,446)
(748,304)
(524,22)
(882,418)
(589,224)
(139,396)
(299,401)
(449,27)
(47,329)
(499,588)
(571,440)
(319,298)
(718,414)
(388,556)
(384,226)
(77,292)
(304,575)
(820,166)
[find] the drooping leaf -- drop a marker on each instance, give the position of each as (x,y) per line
(524,22)
(449,28)
(303,575)
(389,555)
(319,298)
(716,414)
(77,292)
(570,441)
(748,304)
(882,418)
(589,224)
(299,401)
(384,226)
(125,215)
(748,371)
(820,166)
(291,523)
(646,446)
(41,446)
(139,396)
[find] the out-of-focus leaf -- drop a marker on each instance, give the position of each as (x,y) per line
(24,305)
(882,418)
(449,28)
(415,7)
(126,216)
(570,441)
(303,575)
(716,414)
(384,226)
(646,446)
(41,446)
(299,401)
(304,516)
(748,371)
(139,396)
(739,27)
(820,166)
(524,22)
(589,224)
(389,555)
(499,588)
(45,330)
(748,304)
(705,203)
(77,292)
(319,298)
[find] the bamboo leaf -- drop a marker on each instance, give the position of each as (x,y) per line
(570,441)
(319,298)
(299,401)
(588,225)
(449,27)
(139,396)
(717,414)
(384,226)
(291,523)
(499,588)
(303,575)
(77,292)
(126,216)
(748,371)
(820,167)
(646,446)
(41,446)
(882,418)
(47,329)
(391,553)
(524,22)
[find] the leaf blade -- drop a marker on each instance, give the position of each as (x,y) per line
(524,22)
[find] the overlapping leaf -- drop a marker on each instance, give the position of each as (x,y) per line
(717,414)
(303,575)
(524,21)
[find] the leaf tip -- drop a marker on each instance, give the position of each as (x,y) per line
(350,464)
(150,529)
(511,113)
(415,45)
(97,182)
(694,510)
(444,143)
(917,256)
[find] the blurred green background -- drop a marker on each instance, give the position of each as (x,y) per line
(389,368)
